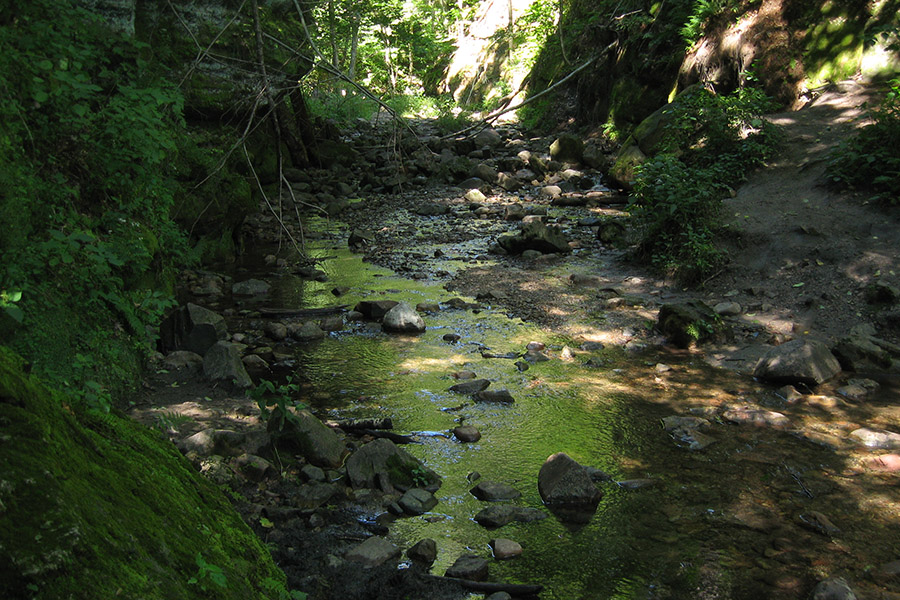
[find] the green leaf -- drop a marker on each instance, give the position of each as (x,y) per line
(40,96)
(797,285)
(45,65)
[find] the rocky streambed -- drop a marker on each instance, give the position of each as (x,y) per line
(531,373)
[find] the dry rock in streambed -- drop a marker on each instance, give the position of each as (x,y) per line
(756,416)
(306,434)
(223,363)
(381,462)
(373,552)
(535,235)
(498,515)
(193,328)
(469,567)
(495,491)
(254,468)
(501,396)
(858,352)
(567,148)
(374,310)
(564,482)
(876,438)
(807,362)
(210,441)
(403,318)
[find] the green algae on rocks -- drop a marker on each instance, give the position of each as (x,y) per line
(93,505)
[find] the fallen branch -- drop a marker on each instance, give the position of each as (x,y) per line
(302,312)
(513,589)
(356,424)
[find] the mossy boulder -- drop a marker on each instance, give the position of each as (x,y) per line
(693,322)
(93,505)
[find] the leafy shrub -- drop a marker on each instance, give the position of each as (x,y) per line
(870,159)
(709,144)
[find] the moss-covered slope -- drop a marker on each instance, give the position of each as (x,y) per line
(94,506)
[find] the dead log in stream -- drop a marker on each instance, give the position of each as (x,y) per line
(302,312)
(489,587)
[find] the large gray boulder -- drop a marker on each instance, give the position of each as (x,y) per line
(567,148)
(472,568)
(382,463)
(564,482)
(807,362)
(403,318)
(223,363)
(192,328)
(306,434)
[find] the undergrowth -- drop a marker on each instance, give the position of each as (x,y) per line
(709,145)
(869,160)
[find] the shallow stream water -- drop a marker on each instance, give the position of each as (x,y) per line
(703,518)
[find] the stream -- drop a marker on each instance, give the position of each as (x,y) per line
(728,521)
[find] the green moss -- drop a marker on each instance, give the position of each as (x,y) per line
(96,506)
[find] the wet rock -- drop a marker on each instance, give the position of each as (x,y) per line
(183,360)
(428,307)
(254,362)
(535,236)
(432,209)
(567,148)
(316,494)
(307,435)
(254,468)
(499,596)
(469,567)
(502,396)
(417,501)
(807,362)
(855,392)
(334,323)
(757,417)
(876,438)
(509,183)
(307,332)
(833,589)
(887,463)
(464,375)
(375,310)
(471,386)
(403,318)
(498,515)
(360,237)
(467,433)
(223,363)
(451,337)
(562,481)
(383,460)
(423,552)
(486,172)
(505,549)
(373,552)
(250,287)
(192,328)
(275,330)
(494,491)
(211,441)
(312,473)
(689,323)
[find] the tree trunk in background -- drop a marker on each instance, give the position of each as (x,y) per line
(354,48)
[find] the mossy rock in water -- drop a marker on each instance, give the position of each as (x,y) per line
(94,505)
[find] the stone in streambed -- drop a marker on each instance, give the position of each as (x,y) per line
(373,552)
(564,482)
(469,567)
(494,491)
(423,552)
(403,318)
(223,363)
(471,386)
(807,362)
(417,501)
(467,433)
(505,549)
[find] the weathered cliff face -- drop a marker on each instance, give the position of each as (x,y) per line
(787,46)
(484,67)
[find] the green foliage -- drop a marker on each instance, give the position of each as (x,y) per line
(343,108)
(89,177)
(709,144)
(209,577)
(275,402)
(869,159)
(705,12)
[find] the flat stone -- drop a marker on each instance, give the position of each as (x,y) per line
(495,491)
(498,515)
(505,549)
(876,438)
(502,396)
(467,566)
(417,501)
(808,362)
(470,386)
(373,552)
(757,417)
